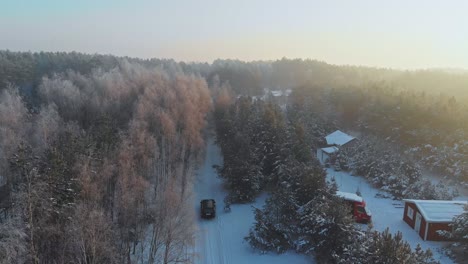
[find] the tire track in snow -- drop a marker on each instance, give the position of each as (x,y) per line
(220,227)
(219,240)
(226,245)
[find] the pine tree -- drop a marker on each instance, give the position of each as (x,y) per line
(326,226)
(423,256)
(265,236)
(460,228)
(356,252)
(392,249)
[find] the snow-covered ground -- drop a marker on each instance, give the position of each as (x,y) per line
(221,240)
(385,212)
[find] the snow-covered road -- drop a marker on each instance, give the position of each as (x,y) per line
(221,240)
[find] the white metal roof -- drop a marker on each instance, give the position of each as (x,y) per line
(277,93)
(437,211)
(330,150)
(349,196)
(338,138)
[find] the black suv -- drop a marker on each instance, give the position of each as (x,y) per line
(208,208)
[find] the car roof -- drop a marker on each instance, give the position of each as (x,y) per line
(208,202)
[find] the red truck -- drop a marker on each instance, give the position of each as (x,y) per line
(358,207)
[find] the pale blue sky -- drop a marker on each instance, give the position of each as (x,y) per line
(397,33)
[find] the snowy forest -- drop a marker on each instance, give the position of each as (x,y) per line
(98,164)
(98,153)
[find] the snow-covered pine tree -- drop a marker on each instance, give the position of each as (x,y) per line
(299,147)
(392,249)
(297,184)
(264,236)
(425,190)
(423,256)
(272,143)
(382,247)
(326,226)
(276,223)
(355,252)
(460,228)
(244,181)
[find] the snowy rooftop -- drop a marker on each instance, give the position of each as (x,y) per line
(277,93)
(330,150)
(349,196)
(338,138)
(436,211)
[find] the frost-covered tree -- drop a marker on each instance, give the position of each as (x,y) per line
(459,229)
(13,243)
(382,247)
(386,169)
(302,214)
(326,227)
(13,127)
(264,235)
(103,146)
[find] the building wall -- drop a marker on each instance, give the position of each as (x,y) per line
(422,230)
(432,232)
(409,221)
(322,155)
(412,222)
(350,144)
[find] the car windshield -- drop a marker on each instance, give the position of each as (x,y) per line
(209,203)
(361,210)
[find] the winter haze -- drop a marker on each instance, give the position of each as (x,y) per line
(398,34)
(217,132)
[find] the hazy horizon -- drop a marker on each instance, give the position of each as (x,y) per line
(397,34)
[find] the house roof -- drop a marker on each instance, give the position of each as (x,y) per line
(330,150)
(338,138)
(349,196)
(277,93)
(437,211)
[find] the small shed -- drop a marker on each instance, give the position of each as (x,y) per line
(339,139)
(427,217)
(334,142)
(328,151)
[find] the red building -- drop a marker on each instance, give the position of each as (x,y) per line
(426,217)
